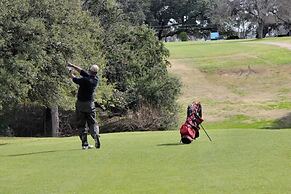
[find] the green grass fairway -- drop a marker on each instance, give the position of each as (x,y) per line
(237,161)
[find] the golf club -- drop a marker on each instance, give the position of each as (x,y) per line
(205,132)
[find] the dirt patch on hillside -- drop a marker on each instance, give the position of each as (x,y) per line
(241,72)
(256,72)
(279,44)
(196,83)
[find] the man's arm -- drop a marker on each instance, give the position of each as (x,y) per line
(74,78)
(78,69)
(75,67)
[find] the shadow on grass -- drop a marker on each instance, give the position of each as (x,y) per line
(170,144)
(281,123)
(36,153)
(2,144)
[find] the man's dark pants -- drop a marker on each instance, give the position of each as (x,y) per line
(86,114)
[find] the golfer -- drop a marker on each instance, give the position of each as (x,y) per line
(85,108)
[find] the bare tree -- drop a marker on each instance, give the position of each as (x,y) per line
(283,14)
(243,15)
(230,18)
(261,12)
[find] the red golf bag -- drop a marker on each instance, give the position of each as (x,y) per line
(190,129)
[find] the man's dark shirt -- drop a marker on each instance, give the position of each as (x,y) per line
(87,85)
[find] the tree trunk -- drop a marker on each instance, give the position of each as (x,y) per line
(55,121)
(289,30)
(51,121)
(161,30)
(260,29)
(47,122)
(160,34)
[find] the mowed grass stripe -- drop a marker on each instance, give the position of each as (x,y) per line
(237,161)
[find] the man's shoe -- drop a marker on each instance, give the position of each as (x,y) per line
(97,144)
(87,147)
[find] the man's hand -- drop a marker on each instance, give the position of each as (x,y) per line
(78,69)
(69,65)
(72,75)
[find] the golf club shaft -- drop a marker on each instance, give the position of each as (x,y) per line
(206,133)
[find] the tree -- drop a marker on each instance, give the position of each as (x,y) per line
(170,17)
(261,11)
(136,66)
(134,10)
(243,15)
(37,38)
(283,14)
(107,11)
(229,18)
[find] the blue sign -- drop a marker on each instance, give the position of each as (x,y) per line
(214,35)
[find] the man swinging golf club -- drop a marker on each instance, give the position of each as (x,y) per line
(85,108)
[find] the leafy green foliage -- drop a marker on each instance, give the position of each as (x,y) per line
(183,36)
(136,64)
(37,39)
(139,69)
(135,10)
(107,11)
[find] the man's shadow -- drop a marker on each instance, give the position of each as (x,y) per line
(36,153)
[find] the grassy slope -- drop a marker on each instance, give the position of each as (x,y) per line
(217,73)
(237,161)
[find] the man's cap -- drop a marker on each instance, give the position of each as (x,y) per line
(94,68)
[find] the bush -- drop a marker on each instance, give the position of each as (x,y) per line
(183,36)
(137,67)
(5,130)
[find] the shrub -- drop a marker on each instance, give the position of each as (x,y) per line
(183,36)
